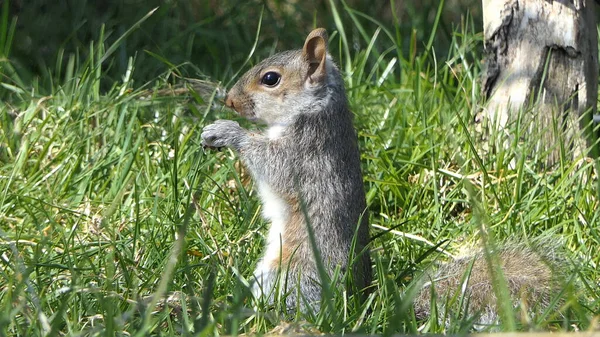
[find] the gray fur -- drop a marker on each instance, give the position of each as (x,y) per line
(315,160)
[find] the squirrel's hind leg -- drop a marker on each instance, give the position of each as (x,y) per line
(297,287)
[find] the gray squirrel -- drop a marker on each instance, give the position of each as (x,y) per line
(306,167)
(534,278)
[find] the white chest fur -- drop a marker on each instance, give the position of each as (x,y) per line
(275,131)
(276,211)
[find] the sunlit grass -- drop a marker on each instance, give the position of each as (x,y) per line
(114,220)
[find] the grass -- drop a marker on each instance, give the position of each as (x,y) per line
(113,220)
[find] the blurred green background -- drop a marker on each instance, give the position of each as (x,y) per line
(214,36)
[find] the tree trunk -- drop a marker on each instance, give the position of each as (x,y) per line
(543,53)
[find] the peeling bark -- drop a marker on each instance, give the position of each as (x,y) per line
(543,54)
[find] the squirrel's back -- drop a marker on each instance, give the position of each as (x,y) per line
(533,278)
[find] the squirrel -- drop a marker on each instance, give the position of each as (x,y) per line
(306,167)
(534,277)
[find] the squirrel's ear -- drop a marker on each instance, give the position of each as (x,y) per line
(315,53)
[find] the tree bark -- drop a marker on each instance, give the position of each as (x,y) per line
(542,72)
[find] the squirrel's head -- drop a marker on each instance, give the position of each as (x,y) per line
(287,84)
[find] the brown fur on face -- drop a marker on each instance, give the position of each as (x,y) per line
(254,100)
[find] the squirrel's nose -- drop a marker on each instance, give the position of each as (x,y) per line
(229,102)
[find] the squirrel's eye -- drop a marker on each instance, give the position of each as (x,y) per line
(270,79)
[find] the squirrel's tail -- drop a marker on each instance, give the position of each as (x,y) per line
(533,277)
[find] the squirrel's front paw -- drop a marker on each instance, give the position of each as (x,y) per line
(221,133)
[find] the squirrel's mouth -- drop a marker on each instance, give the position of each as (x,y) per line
(244,108)
(247,113)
